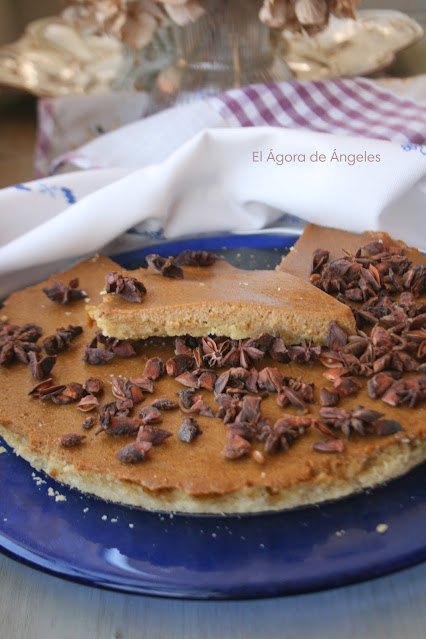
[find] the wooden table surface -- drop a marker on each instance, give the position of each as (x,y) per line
(34,605)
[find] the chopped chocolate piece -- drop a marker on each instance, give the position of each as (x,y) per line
(156,436)
(93,386)
(165,404)
(129,288)
(150,415)
(64,293)
(71,439)
(189,430)
(87,403)
(329,446)
(60,341)
(154,368)
(165,265)
(40,369)
(88,423)
(134,452)
(196,258)
(179,364)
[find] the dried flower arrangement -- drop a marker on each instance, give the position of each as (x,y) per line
(135,21)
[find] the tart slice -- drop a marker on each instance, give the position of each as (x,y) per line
(222,300)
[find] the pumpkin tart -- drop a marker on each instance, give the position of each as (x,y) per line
(188,474)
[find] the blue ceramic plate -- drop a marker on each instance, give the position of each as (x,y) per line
(206,557)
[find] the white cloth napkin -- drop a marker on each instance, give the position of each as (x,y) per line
(221,180)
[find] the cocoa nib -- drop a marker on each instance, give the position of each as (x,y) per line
(144,383)
(68,394)
(120,347)
(409,390)
(283,433)
(95,355)
(150,415)
(129,288)
(329,446)
(346,386)
(336,337)
(154,368)
(243,354)
(214,350)
(64,293)
(304,353)
(93,386)
(189,430)
(196,258)
(165,404)
(123,388)
(165,265)
(200,378)
(319,258)
(134,452)
(270,379)
(360,420)
(71,439)
(88,423)
(179,364)
(156,436)
(236,446)
(121,425)
(16,342)
(379,383)
(189,402)
(40,368)
(329,397)
(87,403)
(60,341)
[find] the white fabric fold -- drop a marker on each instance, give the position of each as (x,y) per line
(217,182)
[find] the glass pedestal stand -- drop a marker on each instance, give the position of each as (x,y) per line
(227,47)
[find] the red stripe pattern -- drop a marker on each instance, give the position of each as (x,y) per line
(355,107)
